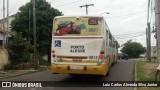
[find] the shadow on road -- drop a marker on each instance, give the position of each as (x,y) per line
(85,78)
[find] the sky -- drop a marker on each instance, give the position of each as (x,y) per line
(127,19)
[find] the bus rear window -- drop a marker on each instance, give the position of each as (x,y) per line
(92,21)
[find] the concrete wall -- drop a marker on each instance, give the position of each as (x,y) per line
(3,57)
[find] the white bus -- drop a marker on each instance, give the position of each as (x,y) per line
(82,45)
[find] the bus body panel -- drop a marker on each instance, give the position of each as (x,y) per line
(79,69)
(78,47)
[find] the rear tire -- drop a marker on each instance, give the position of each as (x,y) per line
(112,64)
(107,74)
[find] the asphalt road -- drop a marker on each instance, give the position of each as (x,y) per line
(121,71)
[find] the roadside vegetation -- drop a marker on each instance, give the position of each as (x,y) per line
(133,49)
(21,43)
(145,71)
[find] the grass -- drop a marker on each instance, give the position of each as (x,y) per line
(145,71)
(140,73)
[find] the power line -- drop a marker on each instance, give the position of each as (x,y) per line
(128,33)
(127,14)
(14,6)
(67,3)
(132,36)
(53,1)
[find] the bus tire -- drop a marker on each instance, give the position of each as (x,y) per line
(107,74)
(112,64)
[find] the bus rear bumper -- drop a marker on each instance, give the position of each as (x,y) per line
(79,69)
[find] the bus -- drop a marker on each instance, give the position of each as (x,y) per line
(82,45)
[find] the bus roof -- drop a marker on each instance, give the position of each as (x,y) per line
(81,16)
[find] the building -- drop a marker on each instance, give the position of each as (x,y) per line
(8,32)
(1,34)
(10,18)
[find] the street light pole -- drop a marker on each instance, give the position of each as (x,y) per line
(3,44)
(7,23)
(104,13)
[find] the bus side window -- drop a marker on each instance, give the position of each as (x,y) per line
(113,44)
(106,37)
(110,40)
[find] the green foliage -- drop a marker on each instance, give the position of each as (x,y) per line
(19,50)
(44,62)
(133,49)
(10,67)
(44,19)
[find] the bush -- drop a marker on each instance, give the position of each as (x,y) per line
(20,50)
(44,62)
(21,66)
(10,67)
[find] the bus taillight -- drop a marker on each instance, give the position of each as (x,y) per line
(102,52)
(101,56)
(53,55)
(53,51)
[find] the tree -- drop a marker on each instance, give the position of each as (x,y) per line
(44,19)
(133,49)
(19,50)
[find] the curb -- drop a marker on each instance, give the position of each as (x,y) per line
(135,74)
(17,74)
(23,73)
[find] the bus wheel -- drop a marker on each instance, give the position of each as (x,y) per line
(107,74)
(112,64)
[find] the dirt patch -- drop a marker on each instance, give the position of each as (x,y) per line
(148,88)
(143,88)
(147,68)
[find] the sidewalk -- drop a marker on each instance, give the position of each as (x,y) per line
(13,73)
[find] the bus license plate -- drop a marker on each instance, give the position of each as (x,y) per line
(76,67)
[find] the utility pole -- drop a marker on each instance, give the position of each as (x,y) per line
(149,42)
(34,36)
(7,23)
(157,21)
(148,35)
(87,5)
(29,24)
(4,34)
